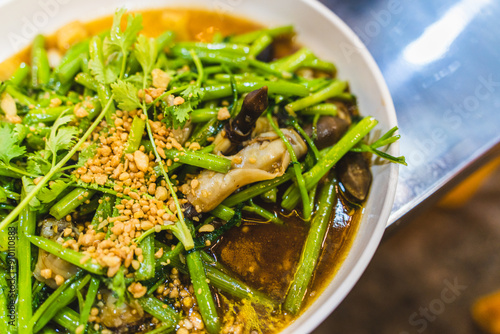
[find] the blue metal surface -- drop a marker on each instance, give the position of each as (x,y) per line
(441,61)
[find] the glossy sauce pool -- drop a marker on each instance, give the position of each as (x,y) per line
(261,254)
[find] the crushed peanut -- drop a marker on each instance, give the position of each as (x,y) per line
(223,114)
(137,289)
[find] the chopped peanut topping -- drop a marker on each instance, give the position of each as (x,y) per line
(137,289)
(160,78)
(223,114)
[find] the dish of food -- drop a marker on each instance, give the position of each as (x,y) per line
(159,184)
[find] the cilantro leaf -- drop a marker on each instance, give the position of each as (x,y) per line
(182,111)
(125,94)
(50,193)
(137,79)
(119,41)
(177,116)
(193,92)
(61,137)
(146,52)
(28,187)
(103,74)
(20,132)
(38,163)
(10,148)
(87,153)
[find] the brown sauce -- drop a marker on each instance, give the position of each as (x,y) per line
(261,254)
(264,255)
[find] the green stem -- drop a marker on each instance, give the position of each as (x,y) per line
(237,288)
(266,68)
(320,65)
(330,91)
(254,208)
(123,66)
(250,37)
(68,319)
(164,40)
(57,300)
(329,159)
(89,301)
(262,42)
(71,62)
(199,68)
(159,310)
(20,74)
(147,268)
(27,225)
(87,81)
(104,210)
(184,235)
(7,324)
(40,69)
(202,292)
(200,159)
(66,254)
(18,171)
(203,115)
(274,87)
(135,135)
(306,137)
(296,168)
(324,109)
(70,202)
(20,97)
(186,47)
(94,186)
(311,250)
(222,212)
(295,61)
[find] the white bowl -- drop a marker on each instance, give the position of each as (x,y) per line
(320,30)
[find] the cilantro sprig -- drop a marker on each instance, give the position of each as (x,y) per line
(178,115)
(146,53)
(119,42)
(126,94)
(11,149)
(60,138)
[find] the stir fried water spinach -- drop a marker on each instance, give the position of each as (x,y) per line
(124,162)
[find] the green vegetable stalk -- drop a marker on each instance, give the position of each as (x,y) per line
(311,250)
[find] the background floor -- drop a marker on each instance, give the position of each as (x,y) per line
(424,278)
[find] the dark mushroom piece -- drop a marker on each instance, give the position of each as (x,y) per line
(189,211)
(354,173)
(329,131)
(239,129)
(267,54)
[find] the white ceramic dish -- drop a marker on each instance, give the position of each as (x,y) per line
(319,29)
